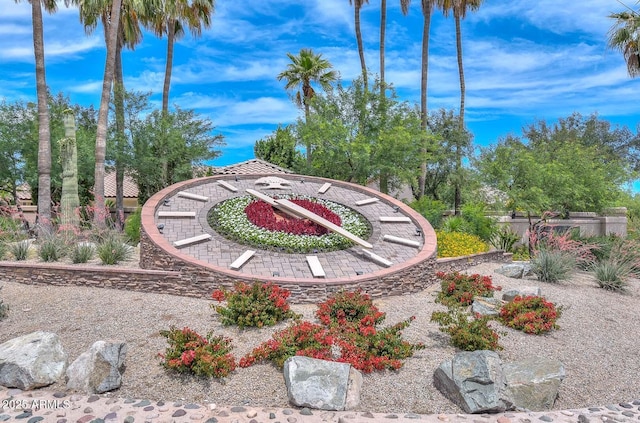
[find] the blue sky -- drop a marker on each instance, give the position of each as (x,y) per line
(524,60)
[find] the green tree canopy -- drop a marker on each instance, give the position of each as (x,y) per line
(279,148)
(563,167)
(358,135)
(167,147)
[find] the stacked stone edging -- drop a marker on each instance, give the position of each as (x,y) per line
(198,283)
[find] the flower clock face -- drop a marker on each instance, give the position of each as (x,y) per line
(255,223)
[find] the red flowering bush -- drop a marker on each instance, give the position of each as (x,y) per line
(189,352)
(264,216)
(346,307)
(458,289)
(258,304)
(531,314)
(348,334)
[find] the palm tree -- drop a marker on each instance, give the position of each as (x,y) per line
(305,68)
(44,133)
(459,9)
(357,5)
(427,11)
(383,28)
(625,36)
(404,4)
(175,16)
(129,34)
(90,12)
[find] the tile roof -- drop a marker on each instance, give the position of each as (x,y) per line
(250,167)
(130,188)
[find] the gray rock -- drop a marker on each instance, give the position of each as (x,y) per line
(354,388)
(99,369)
(479,382)
(533,383)
(511,270)
(527,270)
(523,291)
(474,381)
(486,306)
(321,384)
(32,361)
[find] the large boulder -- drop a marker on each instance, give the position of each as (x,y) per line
(99,369)
(533,383)
(478,382)
(320,384)
(486,306)
(474,381)
(515,270)
(32,361)
(523,291)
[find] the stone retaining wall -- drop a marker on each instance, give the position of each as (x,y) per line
(198,283)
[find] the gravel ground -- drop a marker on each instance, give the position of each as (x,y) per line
(598,343)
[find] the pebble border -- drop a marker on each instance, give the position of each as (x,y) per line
(60,407)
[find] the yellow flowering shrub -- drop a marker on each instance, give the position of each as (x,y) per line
(456,244)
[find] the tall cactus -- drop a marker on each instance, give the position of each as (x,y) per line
(70,201)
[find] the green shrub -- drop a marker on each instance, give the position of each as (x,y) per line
(623,261)
(113,249)
(478,224)
(457,244)
(347,308)
(455,224)
(82,252)
(258,305)
(458,290)
(189,352)
(531,314)
(132,226)
(521,253)
(552,265)
(432,210)
(467,333)
(51,248)
(3,249)
(504,239)
(10,228)
(20,249)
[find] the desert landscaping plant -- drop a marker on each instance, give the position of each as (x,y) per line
(258,305)
(51,248)
(468,333)
(189,352)
(82,252)
(348,307)
(113,249)
(20,249)
(530,314)
(458,290)
(504,239)
(457,244)
(552,265)
(611,274)
(132,226)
